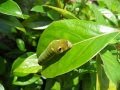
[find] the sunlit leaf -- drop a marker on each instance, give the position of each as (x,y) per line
(108,14)
(99,17)
(11,8)
(26,64)
(78,55)
(113,5)
(111,66)
(72,30)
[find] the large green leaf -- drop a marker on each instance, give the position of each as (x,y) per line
(111,66)
(73,30)
(11,8)
(78,55)
(26,64)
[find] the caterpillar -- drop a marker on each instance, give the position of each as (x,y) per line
(55,47)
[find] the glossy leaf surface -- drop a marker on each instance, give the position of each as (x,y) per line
(78,55)
(11,8)
(25,65)
(72,30)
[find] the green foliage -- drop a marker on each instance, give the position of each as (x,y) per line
(11,8)
(28,26)
(111,72)
(79,54)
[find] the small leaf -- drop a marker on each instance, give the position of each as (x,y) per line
(99,17)
(38,8)
(21,44)
(108,14)
(11,8)
(54,85)
(113,5)
(26,64)
(102,81)
(111,66)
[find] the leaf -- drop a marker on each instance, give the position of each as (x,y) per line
(6,29)
(26,64)
(13,22)
(111,66)
(11,8)
(72,30)
(52,84)
(37,22)
(89,81)
(102,81)
(1,87)
(109,15)
(78,55)
(27,82)
(38,8)
(99,17)
(21,44)
(113,5)
(51,13)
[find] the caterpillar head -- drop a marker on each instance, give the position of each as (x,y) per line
(61,45)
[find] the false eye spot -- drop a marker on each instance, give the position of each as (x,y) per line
(59,49)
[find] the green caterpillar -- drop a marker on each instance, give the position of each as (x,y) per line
(55,47)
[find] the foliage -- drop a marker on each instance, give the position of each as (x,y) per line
(28,26)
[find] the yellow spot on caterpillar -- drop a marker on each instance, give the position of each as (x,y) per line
(52,49)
